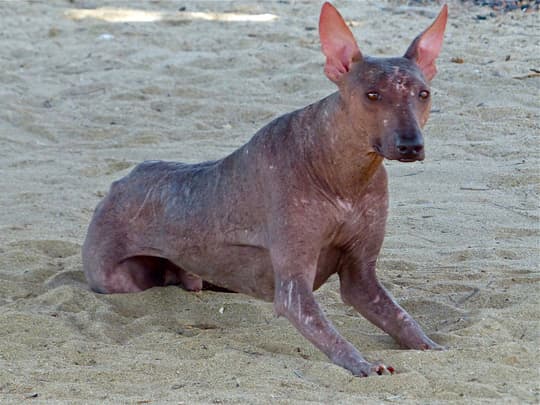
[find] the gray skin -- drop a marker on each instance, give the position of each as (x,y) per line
(305,198)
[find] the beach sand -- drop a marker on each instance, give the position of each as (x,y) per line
(83,99)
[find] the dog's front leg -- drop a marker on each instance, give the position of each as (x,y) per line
(361,289)
(294,299)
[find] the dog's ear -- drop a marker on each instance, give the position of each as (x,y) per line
(337,42)
(427,46)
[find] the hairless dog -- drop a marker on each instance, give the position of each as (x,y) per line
(305,198)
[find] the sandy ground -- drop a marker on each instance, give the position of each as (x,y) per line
(82,100)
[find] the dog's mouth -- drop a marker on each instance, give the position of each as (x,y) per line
(408,160)
(400,158)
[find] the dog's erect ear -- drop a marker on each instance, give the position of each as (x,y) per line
(338,43)
(427,46)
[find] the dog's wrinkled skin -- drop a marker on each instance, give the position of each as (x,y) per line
(305,198)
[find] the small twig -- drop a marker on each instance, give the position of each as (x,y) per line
(523,334)
(411,174)
(475,188)
(534,73)
(31,396)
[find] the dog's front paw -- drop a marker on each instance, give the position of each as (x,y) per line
(366,369)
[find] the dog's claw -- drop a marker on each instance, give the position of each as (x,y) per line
(382,369)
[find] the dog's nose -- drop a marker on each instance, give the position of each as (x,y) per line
(410,149)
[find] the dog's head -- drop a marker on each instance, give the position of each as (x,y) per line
(390,96)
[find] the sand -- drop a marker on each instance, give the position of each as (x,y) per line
(83,99)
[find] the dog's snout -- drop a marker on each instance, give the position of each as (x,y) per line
(410,149)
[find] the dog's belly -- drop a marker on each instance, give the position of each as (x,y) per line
(237,267)
(245,268)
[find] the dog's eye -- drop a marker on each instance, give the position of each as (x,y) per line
(373,96)
(424,94)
